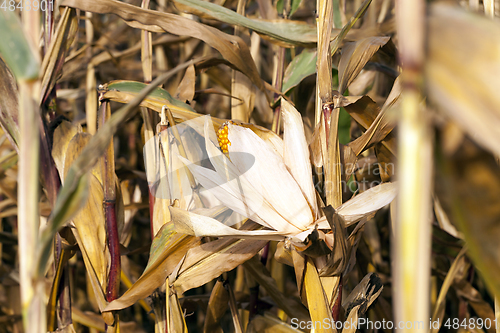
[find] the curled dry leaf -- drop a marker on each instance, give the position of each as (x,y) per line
(217,306)
(186,88)
(354,57)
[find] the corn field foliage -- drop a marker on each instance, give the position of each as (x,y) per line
(249,166)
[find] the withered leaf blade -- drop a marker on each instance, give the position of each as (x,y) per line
(292,307)
(56,53)
(207,261)
(185,90)
(231,47)
(167,250)
(354,57)
(339,257)
(217,306)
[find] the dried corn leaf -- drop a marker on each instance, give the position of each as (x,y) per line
(317,302)
(186,88)
(379,126)
(292,307)
(287,32)
(439,306)
(122,91)
(338,259)
(62,137)
(89,221)
(74,192)
(377,132)
(386,160)
(54,58)
(354,57)
(97,287)
(363,111)
(167,250)
(217,306)
(207,261)
(232,48)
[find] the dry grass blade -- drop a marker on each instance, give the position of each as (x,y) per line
(232,48)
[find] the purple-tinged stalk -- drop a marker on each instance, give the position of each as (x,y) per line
(109,206)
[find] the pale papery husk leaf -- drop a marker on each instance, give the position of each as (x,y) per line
(269,176)
(364,204)
(296,153)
